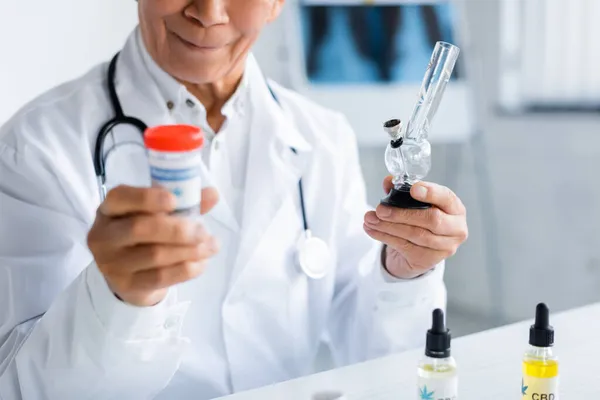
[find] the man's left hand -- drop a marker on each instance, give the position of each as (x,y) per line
(417,240)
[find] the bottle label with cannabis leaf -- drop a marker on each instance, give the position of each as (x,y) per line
(533,388)
(438,388)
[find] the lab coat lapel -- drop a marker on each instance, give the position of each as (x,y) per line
(274,169)
(139,95)
(141,98)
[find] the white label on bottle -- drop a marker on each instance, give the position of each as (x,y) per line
(438,389)
(180,174)
(533,388)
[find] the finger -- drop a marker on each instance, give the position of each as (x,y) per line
(416,235)
(210,197)
(387,184)
(160,278)
(418,257)
(143,257)
(124,200)
(433,219)
(156,228)
(439,196)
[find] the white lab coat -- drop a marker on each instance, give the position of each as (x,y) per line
(64,336)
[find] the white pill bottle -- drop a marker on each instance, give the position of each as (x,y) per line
(175,158)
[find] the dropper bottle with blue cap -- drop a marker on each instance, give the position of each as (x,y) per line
(437,372)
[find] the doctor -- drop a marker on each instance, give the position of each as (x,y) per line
(117,299)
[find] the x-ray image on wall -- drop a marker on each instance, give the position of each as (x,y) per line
(373,43)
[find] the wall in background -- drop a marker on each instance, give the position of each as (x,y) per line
(543,196)
(45,43)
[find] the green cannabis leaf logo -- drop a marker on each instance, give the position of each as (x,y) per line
(523,388)
(425,395)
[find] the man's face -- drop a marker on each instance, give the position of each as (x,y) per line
(202,41)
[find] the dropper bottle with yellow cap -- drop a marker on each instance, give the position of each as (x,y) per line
(540,364)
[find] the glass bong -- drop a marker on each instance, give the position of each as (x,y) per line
(408,154)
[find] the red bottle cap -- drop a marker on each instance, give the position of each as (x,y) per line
(173,138)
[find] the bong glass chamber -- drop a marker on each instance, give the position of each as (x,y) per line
(408,154)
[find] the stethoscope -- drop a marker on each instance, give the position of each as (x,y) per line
(312,253)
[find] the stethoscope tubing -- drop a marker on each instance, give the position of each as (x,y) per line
(121,119)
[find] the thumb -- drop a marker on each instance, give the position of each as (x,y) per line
(210,197)
(387,184)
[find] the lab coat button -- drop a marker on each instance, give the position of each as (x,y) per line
(189,103)
(240,108)
(171,322)
(388,297)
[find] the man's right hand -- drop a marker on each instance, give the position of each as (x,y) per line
(142,250)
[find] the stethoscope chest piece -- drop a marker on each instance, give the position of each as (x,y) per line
(313,256)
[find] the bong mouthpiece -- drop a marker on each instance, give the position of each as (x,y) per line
(393,127)
(437,75)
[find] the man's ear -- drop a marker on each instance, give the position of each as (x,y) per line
(276,10)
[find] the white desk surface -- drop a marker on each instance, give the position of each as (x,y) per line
(489,366)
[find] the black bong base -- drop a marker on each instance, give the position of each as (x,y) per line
(401,198)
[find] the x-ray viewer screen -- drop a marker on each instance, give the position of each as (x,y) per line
(373,43)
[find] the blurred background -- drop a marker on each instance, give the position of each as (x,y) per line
(517,136)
